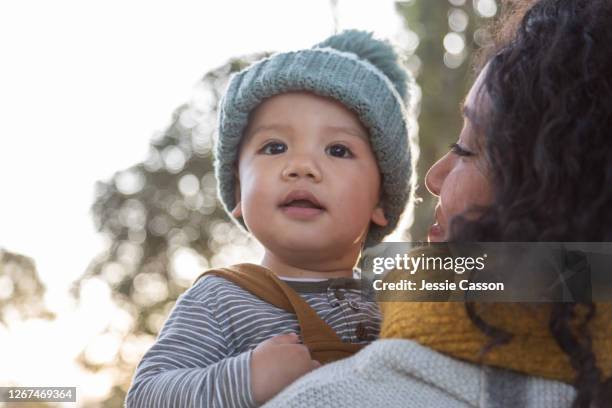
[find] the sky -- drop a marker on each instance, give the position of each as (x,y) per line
(84,86)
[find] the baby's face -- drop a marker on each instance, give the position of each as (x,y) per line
(309,184)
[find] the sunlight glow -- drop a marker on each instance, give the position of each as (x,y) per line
(187,264)
(93,113)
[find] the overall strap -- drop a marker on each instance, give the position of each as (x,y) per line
(322,341)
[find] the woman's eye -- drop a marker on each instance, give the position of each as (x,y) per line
(460,151)
(274,148)
(339,150)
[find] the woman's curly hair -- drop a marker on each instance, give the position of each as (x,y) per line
(548,144)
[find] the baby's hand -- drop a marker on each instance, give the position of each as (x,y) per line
(276,363)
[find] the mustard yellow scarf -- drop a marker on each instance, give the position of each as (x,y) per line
(446,328)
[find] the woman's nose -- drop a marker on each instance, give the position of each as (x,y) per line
(436,174)
(300,167)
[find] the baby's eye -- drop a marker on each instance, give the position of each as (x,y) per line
(338,150)
(273,148)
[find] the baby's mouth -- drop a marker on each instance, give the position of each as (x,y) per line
(302,210)
(302,204)
(301,199)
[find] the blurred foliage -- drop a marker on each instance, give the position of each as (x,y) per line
(21,291)
(154,210)
(444,79)
(167,204)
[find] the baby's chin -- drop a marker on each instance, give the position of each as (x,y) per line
(304,249)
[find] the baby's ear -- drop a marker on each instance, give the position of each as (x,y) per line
(378,216)
(237,210)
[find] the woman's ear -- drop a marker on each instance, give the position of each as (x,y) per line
(378,216)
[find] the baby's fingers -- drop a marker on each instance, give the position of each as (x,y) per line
(289,338)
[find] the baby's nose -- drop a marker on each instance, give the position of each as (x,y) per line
(301,167)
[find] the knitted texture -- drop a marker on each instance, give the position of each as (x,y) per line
(446,327)
(353,68)
(393,373)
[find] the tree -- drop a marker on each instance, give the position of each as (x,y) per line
(156,209)
(21,291)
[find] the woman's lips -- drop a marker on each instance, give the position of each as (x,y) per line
(436,234)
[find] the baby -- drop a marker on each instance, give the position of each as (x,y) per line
(313,158)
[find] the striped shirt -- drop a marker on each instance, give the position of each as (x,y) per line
(201,357)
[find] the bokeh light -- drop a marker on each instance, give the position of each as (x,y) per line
(154,160)
(179,209)
(114,272)
(458,20)
(188,118)
(408,40)
(159,225)
(187,264)
(6,287)
(134,346)
(174,159)
(454,43)
(486,8)
(453,61)
(133,214)
(129,181)
(201,138)
(129,253)
(189,185)
(149,288)
(483,37)
(414,65)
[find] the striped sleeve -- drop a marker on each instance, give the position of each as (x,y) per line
(189,365)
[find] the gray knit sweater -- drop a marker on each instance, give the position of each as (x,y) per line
(403,373)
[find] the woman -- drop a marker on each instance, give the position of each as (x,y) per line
(532,163)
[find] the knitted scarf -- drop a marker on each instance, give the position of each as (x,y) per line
(447,328)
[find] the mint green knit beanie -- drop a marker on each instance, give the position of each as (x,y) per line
(353,68)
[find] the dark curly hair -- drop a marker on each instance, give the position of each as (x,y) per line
(548,145)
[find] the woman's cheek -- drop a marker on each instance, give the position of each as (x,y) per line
(453,196)
(457,193)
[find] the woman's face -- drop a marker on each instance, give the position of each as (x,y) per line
(459,179)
